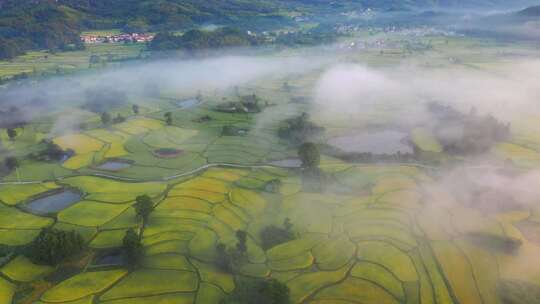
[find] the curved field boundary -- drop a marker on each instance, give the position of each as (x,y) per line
(227,165)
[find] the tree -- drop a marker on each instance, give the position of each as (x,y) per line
(165,41)
(168,118)
(94,59)
(118,119)
(104,98)
(299,129)
(143,206)
(11,163)
(272,236)
(133,248)
(287,87)
(11,133)
(287,224)
(52,246)
(309,155)
(9,49)
(259,291)
(241,246)
(52,152)
(273,185)
(229,131)
(106,118)
(135,109)
(223,259)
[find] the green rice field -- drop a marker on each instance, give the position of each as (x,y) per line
(381,232)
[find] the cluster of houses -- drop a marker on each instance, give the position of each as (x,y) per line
(124,37)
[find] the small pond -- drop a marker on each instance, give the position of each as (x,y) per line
(188,103)
(110,259)
(287,163)
(65,157)
(113,165)
(168,152)
(53,203)
(376,142)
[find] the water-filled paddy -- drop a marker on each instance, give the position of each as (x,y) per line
(53,203)
(168,152)
(376,142)
(188,103)
(111,258)
(114,165)
(287,163)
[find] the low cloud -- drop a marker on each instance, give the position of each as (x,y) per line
(507,91)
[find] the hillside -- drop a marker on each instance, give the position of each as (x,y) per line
(56,24)
(533,11)
(47,24)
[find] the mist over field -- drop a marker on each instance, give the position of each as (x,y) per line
(351,152)
(185,76)
(507,93)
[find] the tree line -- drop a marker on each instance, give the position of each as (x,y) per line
(43,25)
(56,25)
(196,39)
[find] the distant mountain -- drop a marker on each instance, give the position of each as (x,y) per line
(523,24)
(533,11)
(56,24)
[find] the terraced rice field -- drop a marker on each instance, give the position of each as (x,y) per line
(45,62)
(374,247)
(379,233)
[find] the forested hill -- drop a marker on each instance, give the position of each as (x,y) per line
(533,11)
(29,25)
(56,24)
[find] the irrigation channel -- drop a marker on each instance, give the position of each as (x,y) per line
(236,166)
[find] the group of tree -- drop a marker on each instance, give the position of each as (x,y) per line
(10,163)
(233,131)
(168,118)
(272,236)
(132,248)
(52,246)
(309,155)
(368,157)
(140,16)
(119,118)
(469,133)
(230,259)
(258,291)
(195,40)
(495,243)
(136,109)
(11,133)
(298,130)
(11,117)
(107,119)
(313,178)
(49,151)
(143,207)
(101,99)
(245,104)
(322,34)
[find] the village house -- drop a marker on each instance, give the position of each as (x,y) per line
(133,37)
